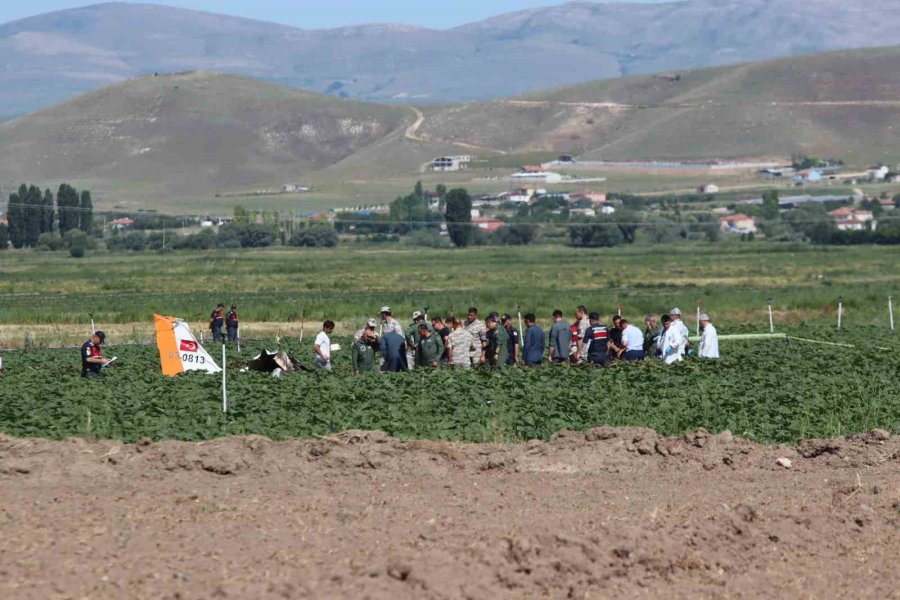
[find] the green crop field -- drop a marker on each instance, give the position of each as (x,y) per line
(348,284)
(769,391)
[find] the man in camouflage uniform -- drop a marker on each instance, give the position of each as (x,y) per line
(478,330)
(388,323)
(583,322)
(460,343)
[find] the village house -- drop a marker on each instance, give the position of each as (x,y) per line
(121,224)
(849,219)
(450,163)
(878,172)
(808,175)
(487,224)
(887,203)
(595,199)
(737,223)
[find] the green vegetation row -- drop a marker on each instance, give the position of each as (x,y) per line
(767,391)
(733,281)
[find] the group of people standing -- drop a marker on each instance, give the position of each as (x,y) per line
(495,341)
(219,319)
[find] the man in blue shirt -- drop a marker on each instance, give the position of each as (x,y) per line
(534,342)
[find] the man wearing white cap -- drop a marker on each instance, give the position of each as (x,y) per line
(388,323)
(677,323)
(709,340)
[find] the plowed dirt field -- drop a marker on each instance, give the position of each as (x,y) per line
(618,513)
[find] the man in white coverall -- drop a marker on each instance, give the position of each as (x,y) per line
(709,339)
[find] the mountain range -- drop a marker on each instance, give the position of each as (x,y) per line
(52,57)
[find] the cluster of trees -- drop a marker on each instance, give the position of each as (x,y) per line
(33,216)
(233,235)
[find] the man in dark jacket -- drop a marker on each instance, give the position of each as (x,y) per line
(231,324)
(393,350)
(534,342)
(91,357)
(596,339)
(216,322)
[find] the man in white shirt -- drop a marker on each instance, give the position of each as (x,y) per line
(709,340)
(672,343)
(675,315)
(322,347)
(632,341)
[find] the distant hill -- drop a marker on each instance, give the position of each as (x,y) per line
(839,104)
(55,56)
(190,134)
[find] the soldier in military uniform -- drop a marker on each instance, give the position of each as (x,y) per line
(478,330)
(460,343)
(498,345)
(388,323)
(412,336)
(231,324)
(429,348)
(216,321)
(362,354)
(514,343)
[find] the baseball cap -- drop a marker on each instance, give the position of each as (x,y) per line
(704,317)
(385,309)
(594,315)
(675,311)
(505,317)
(100,335)
(492,318)
(371,323)
(416,314)
(494,314)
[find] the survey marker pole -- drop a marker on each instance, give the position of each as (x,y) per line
(840,311)
(891,311)
(521,331)
(224,387)
(771,319)
(93,329)
(698,316)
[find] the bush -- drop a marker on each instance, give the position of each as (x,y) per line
(315,236)
(77,242)
(248,235)
(517,234)
(428,239)
(50,242)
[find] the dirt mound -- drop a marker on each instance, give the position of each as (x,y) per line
(608,512)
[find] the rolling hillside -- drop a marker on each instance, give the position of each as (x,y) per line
(841,104)
(184,138)
(190,134)
(52,57)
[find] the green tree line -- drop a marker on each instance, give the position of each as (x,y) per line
(31,213)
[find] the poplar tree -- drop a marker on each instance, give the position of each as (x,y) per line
(86,215)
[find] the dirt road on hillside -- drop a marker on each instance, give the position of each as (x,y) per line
(617,513)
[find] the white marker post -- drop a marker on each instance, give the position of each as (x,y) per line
(93,329)
(840,312)
(771,318)
(891,311)
(521,331)
(698,316)
(224,387)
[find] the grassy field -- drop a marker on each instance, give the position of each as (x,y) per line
(45,293)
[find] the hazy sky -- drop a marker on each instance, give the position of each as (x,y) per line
(320,13)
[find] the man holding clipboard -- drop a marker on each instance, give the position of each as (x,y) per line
(92,358)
